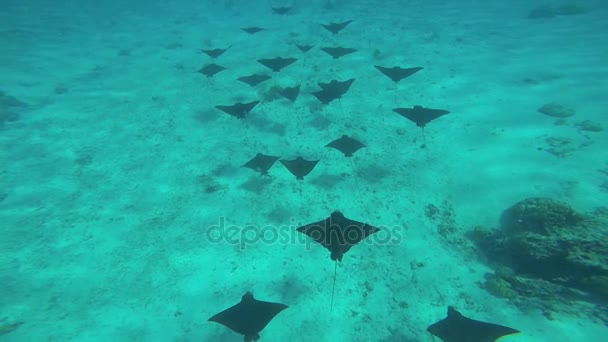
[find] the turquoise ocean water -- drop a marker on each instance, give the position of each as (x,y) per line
(126,213)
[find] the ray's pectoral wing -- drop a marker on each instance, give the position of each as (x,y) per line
(292,166)
(306,168)
(435,113)
(252,164)
(229,318)
(324,96)
(265,312)
(317,231)
(355,232)
(489,332)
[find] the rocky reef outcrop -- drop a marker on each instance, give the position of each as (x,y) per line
(548,251)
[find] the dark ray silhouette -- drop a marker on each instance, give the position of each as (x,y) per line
(421,116)
(336,27)
(261,163)
(215,53)
(458,328)
(255,79)
(238,110)
(332,90)
(346,145)
(210,70)
(397,73)
(249,317)
(276,64)
(338,52)
(280,10)
(338,234)
(299,167)
(253,29)
(304,48)
(290,93)
(324,96)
